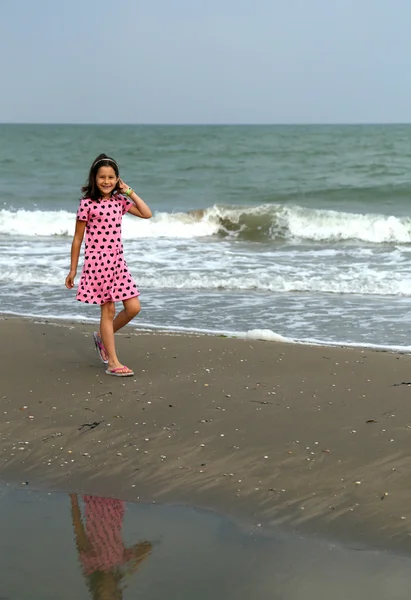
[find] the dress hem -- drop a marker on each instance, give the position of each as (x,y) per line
(109,300)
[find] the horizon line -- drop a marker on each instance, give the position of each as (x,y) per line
(297,124)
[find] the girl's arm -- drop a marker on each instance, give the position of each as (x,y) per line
(136,554)
(75,252)
(140,208)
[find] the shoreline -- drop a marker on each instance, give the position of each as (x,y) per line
(311,439)
(249,335)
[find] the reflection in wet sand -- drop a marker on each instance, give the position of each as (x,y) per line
(104,559)
(198,555)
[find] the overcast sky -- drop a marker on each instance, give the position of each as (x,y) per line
(205,61)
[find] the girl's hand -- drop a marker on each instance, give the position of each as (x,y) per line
(122,186)
(70,280)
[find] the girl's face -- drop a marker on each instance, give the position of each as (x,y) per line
(106,181)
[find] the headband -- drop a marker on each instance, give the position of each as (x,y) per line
(107,159)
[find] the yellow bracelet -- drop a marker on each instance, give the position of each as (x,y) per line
(129,191)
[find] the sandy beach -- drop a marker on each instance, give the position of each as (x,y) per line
(315,439)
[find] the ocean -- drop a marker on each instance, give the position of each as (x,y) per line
(295,232)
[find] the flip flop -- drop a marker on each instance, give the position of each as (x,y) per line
(100,347)
(117,372)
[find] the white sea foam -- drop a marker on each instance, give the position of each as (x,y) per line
(254,223)
(365,283)
(360,283)
(61,223)
(271,336)
(267,335)
(333,226)
(253,334)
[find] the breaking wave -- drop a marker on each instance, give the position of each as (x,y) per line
(261,223)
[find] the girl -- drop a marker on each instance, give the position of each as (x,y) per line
(104,559)
(105,278)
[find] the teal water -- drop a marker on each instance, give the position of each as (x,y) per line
(301,231)
(80,547)
(345,168)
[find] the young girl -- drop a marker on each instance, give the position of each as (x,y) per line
(105,560)
(105,278)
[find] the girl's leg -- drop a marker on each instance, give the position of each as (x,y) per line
(108,311)
(131,309)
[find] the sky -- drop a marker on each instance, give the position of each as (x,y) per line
(205,61)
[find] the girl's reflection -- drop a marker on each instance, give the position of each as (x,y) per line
(104,559)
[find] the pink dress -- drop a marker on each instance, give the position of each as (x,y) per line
(105,276)
(104,520)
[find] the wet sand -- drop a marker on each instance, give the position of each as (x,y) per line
(309,438)
(174,552)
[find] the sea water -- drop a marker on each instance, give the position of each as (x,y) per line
(297,231)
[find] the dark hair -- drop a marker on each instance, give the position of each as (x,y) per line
(90,189)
